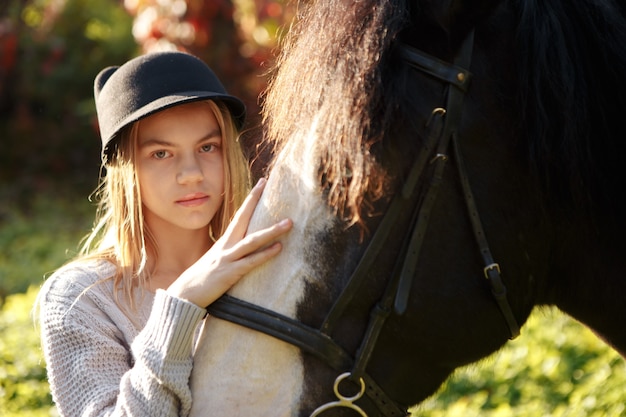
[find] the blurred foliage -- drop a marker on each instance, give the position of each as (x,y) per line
(556,368)
(36,240)
(50,52)
(235,37)
(24,389)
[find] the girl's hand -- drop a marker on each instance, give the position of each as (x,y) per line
(231,257)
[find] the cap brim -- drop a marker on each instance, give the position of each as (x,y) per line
(236,107)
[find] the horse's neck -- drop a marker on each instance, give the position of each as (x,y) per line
(245,372)
(292,192)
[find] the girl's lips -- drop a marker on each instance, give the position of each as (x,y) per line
(192,200)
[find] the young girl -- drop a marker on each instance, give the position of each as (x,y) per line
(118,323)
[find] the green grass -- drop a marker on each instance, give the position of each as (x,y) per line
(38,236)
(24,388)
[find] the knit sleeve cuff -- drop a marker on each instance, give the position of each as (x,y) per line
(172,325)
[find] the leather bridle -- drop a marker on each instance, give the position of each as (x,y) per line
(442,131)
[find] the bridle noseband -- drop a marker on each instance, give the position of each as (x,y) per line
(432,160)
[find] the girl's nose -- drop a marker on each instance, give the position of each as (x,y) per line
(190,171)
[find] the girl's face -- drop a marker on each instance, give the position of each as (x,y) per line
(180,167)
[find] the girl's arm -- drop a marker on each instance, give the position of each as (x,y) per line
(91,368)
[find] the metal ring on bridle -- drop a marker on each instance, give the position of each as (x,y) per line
(354,397)
(437,111)
(343,401)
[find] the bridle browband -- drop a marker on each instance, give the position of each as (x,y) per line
(442,129)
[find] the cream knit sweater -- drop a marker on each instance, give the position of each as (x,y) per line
(104,360)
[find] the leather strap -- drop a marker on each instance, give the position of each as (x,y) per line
(492,269)
(399,203)
(452,118)
(306,338)
(446,72)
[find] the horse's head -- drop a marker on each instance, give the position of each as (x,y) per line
(354,124)
(408,108)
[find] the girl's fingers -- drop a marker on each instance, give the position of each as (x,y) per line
(211,276)
(238,226)
(257,258)
(232,256)
(259,240)
(223,278)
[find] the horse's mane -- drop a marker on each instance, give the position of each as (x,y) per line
(328,79)
(572,66)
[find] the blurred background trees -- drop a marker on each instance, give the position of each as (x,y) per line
(51,50)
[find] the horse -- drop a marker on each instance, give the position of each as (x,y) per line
(449,166)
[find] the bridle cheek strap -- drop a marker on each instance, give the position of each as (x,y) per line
(458,87)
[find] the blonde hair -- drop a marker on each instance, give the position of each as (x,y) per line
(120,234)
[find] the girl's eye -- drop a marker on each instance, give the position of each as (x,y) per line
(209,147)
(160,154)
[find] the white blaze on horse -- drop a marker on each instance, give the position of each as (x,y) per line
(246,372)
(490,154)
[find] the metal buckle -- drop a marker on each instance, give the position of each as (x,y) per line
(490,267)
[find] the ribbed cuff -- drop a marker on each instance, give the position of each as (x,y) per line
(172,325)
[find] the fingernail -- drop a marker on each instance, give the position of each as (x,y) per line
(261,182)
(284,222)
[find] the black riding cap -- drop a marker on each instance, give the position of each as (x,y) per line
(154,82)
